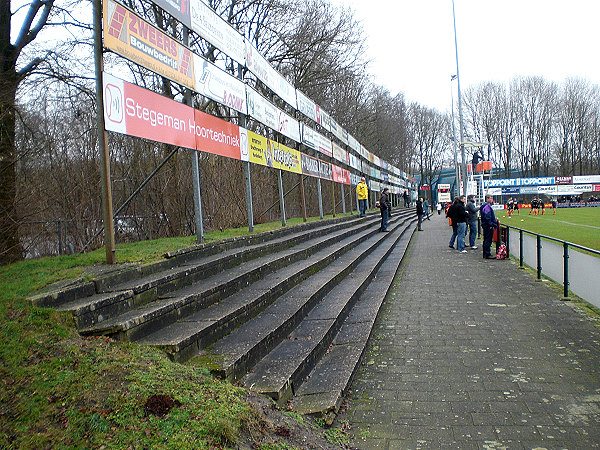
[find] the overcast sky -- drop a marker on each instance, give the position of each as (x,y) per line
(411,43)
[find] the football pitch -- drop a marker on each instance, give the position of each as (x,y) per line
(577,225)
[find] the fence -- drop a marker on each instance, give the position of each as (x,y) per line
(573,266)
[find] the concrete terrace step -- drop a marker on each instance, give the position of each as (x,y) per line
(112,278)
(281,372)
(235,354)
(185,337)
(325,386)
(91,311)
(171,306)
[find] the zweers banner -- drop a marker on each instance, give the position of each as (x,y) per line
(130,36)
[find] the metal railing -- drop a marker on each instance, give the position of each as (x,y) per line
(579,267)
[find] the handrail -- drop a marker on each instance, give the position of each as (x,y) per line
(538,238)
(550,238)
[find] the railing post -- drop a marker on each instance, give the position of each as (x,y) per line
(539,256)
(521,249)
(565,271)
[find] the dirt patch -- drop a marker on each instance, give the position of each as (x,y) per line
(276,426)
(160,405)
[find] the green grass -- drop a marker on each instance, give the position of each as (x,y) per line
(577,225)
(61,390)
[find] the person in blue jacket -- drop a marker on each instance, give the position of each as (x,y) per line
(488,224)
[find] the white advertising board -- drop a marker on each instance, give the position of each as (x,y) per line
(260,67)
(306,106)
(218,85)
(210,26)
(265,112)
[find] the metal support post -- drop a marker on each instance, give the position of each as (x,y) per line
(343,199)
(333,197)
(187,96)
(247,174)
(302,198)
(320,194)
(107,206)
(281,198)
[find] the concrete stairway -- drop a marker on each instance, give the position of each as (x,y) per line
(272,310)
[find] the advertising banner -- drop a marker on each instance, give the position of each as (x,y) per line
(308,136)
(216,136)
(566,189)
(526,190)
(269,153)
(133,38)
(512,191)
(586,179)
(260,67)
(325,170)
(340,175)
(310,165)
(563,180)
(337,131)
(180,9)
(323,119)
(306,106)
(267,113)
(135,111)
(596,188)
(354,162)
(218,85)
(340,154)
(353,143)
(546,190)
(503,182)
(323,144)
(580,188)
(210,26)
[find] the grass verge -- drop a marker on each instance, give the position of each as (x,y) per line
(61,390)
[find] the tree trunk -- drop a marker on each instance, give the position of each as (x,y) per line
(10,247)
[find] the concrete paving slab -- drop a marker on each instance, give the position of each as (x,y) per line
(473,353)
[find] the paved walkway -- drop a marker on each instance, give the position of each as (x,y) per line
(475,354)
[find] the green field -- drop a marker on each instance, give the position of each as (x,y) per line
(577,225)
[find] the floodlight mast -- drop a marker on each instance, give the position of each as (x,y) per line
(460,113)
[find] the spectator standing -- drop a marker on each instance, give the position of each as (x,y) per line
(461,216)
(384,206)
(405,197)
(362,191)
(488,224)
(426,209)
(419,214)
(439,208)
(450,215)
(472,221)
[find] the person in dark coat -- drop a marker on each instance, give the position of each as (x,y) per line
(450,215)
(461,216)
(385,206)
(488,223)
(419,214)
